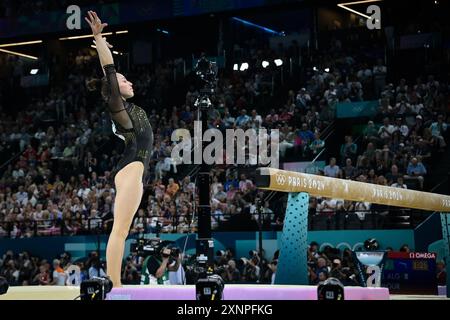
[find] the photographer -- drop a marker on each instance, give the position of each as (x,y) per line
(232,274)
(156,268)
(272,270)
(96,269)
(130,272)
(178,275)
(337,271)
(251,268)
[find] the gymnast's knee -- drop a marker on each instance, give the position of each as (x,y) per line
(120,230)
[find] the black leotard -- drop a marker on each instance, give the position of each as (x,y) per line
(130,123)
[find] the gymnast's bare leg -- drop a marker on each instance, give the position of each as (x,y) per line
(129,190)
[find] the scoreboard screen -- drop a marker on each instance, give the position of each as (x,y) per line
(410,273)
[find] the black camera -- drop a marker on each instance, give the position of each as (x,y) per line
(95,289)
(253,253)
(174,252)
(371,244)
(210,288)
(330,289)
(206,72)
(242,262)
(146,247)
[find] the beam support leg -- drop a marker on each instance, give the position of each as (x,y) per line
(292,262)
(445,223)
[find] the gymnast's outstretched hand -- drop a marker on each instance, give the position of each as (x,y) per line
(103,47)
(95,23)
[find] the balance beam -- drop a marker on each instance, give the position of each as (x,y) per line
(289,181)
(292,261)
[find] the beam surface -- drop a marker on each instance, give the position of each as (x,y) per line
(289,181)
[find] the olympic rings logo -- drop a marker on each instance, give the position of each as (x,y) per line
(280,179)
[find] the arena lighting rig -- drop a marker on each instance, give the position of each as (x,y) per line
(6,45)
(345,4)
(20,54)
(91,36)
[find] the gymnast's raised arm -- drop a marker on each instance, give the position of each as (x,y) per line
(114,98)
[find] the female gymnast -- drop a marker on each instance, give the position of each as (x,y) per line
(130,123)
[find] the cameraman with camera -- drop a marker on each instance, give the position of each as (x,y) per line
(230,273)
(252,268)
(156,268)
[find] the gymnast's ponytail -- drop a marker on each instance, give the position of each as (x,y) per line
(99,85)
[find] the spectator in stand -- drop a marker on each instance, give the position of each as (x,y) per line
(379,77)
(348,149)
(242,119)
(306,135)
(332,170)
(322,269)
(399,183)
(231,181)
(285,115)
(303,99)
(140,222)
(228,120)
(405,248)
(84,191)
(393,176)
(172,188)
(317,144)
(59,276)
(416,171)
(438,129)
(370,132)
(43,277)
(327,206)
(349,171)
(245,185)
(215,184)
(256,119)
(287,143)
(386,130)
(401,127)
(220,195)
(187,185)
(93,222)
(403,107)
(187,116)
(418,127)
(361,209)
(422,149)
(355,93)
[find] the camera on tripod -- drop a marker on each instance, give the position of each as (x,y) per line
(209,286)
(206,72)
